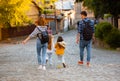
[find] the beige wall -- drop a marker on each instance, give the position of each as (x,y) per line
(33,13)
(89,12)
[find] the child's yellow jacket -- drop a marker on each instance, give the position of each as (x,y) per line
(59,51)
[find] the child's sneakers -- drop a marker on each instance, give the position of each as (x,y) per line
(64,65)
(44,68)
(46,61)
(59,66)
(80,62)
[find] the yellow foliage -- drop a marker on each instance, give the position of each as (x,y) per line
(13,12)
(42,3)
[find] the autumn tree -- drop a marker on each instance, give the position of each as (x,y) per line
(13,12)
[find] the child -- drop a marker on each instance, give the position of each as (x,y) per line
(50,50)
(49,30)
(50,46)
(59,48)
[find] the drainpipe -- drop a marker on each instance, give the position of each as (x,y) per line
(0,34)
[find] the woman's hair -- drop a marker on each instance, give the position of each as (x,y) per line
(50,42)
(41,21)
(60,39)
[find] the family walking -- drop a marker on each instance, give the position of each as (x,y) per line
(45,45)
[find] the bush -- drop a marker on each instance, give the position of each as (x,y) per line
(113,39)
(108,34)
(102,30)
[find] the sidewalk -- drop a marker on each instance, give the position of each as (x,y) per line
(19,63)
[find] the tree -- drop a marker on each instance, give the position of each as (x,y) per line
(101,7)
(78,1)
(37,7)
(13,12)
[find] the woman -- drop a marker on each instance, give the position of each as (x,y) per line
(41,48)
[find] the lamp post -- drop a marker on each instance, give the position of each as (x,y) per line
(62,5)
(55,14)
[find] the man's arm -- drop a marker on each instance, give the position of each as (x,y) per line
(79,29)
(78,38)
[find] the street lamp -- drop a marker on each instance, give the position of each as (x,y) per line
(62,5)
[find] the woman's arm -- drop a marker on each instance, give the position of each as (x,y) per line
(33,34)
(25,41)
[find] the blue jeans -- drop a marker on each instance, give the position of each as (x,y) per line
(41,52)
(88,45)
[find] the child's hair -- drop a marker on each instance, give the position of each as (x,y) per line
(50,42)
(49,30)
(60,39)
(48,27)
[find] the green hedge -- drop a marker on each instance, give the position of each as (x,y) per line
(102,30)
(107,33)
(113,39)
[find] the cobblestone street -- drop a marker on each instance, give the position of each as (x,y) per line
(18,62)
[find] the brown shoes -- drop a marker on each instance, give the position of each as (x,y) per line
(88,64)
(80,62)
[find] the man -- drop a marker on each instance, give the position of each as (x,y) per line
(80,37)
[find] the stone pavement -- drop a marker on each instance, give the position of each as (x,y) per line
(19,63)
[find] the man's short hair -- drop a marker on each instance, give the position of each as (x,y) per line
(84,13)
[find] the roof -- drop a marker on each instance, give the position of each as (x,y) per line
(64,5)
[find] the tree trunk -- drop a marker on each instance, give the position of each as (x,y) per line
(115,21)
(38,8)
(112,20)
